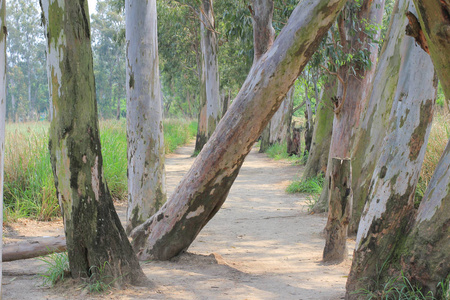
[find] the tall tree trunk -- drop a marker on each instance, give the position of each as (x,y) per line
(146,174)
(309,129)
(281,120)
(3,31)
(93,231)
(390,201)
(375,123)
(355,87)
(210,73)
(320,144)
(205,187)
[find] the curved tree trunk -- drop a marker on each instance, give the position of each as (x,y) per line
(146,174)
(390,201)
(205,187)
(281,120)
(93,231)
(3,31)
(211,114)
(354,92)
(320,145)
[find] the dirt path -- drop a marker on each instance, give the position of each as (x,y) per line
(262,244)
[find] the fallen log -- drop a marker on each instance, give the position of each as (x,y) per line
(35,247)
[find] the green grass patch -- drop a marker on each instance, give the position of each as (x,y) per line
(29,189)
(310,186)
(279,151)
(57,266)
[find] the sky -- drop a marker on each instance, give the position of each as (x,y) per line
(92,4)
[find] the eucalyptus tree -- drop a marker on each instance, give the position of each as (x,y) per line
(203,190)
(94,234)
(391,231)
(3,33)
(354,54)
(146,174)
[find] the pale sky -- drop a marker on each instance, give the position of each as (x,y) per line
(92,4)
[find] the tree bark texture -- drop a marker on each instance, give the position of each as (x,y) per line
(320,144)
(263,31)
(146,174)
(339,211)
(434,17)
(205,187)
(375,122)
(3,33)
(390,201)
(93,231)
(356,87)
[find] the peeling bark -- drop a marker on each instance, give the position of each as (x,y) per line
(375,123)
(390,201)
(209,180)
(146,173)
(3,33)
(94,235)
(340,210)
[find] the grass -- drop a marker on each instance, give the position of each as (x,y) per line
(279,151)
(439,136)
(401,288)
(29,190)
(312,186)
(57,266)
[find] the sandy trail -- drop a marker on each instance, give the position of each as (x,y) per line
(262,244)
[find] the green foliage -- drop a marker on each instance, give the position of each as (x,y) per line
(401,288)
(57,266)
(29,189)
(310,186)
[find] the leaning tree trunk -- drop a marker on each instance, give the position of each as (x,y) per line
(205,187)
(309,128)
(375,123)
(210,73)
(354,89)
(93,231)
(320,145)
(2,112)
(146,174)
(390,201)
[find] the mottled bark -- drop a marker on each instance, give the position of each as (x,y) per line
(434,17)
(94,234)
(205,187)
(375,122)
(352,94)
(320,144)
(339,211)
(390,201)
(309,128)
(210,76)
(3,33)
(426,252)
(146,174)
